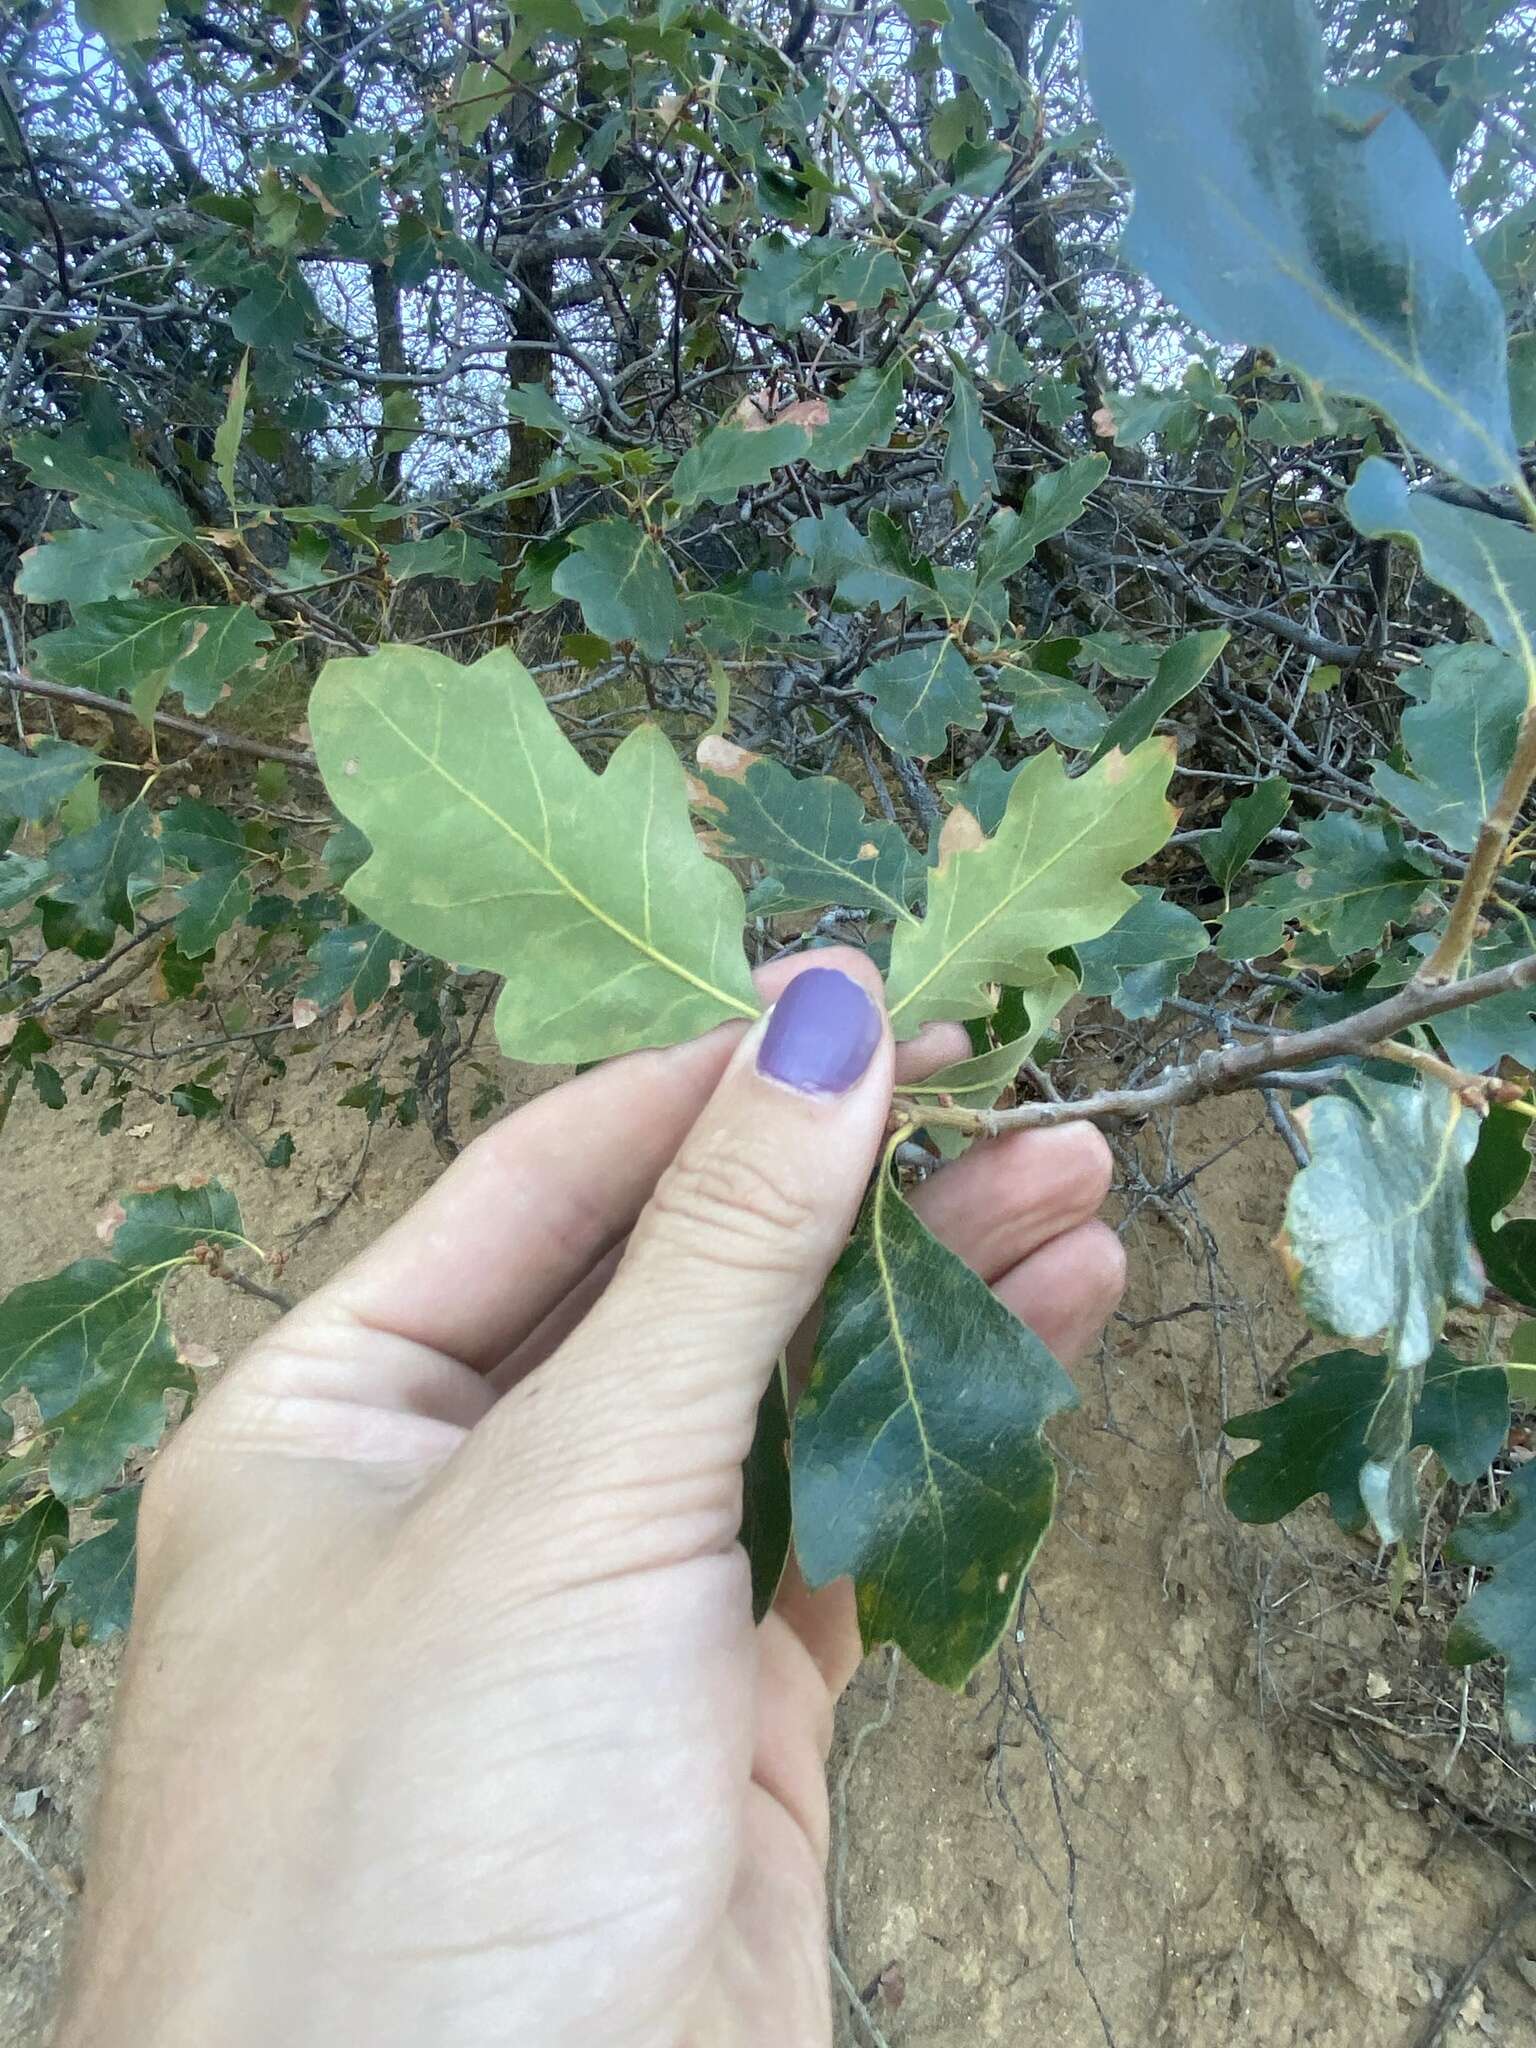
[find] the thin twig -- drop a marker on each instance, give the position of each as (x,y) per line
(171,721)
(1236,1067)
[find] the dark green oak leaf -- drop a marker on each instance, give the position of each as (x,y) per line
(1053,502)
(105,870)
(451,553)
(983,60)
(40,1533)
(210,844)
(1181,668)
(765,1504)
(861,419)
(621,580)
(1499,1169)
(1356,878)
(811,835)
(1314,1440)
(928,1486)
(139,647)
(1377,1229)
(1500,1618)
(91,1344)
(1138,962)
(1320,226)
(96,1578)
(90,564)
(103,486)
(1245,824)
(970,459)
(1489,563)
(731,459)
(920,694)
(1071,715)
(886,572)
(350,960)
(758,609)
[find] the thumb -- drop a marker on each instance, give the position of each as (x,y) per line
(657,1390)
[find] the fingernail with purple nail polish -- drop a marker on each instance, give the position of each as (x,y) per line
(822,1034)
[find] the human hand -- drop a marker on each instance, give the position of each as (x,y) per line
(445,1722)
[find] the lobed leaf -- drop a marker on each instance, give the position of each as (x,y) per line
(1377,1229)
(95,1579)
(91,1344)
(1049,877)
(919,694)
(810,833)
(1180,669)
(621,580)
(1053,502)
(494,844)
(1245,825)
(1489,563)
(1460,742)
(1139,962)
(33,785)
(1315,1439)
(1500,1618)
(730,460)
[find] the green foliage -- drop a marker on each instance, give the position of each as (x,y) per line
(919,694)
(1488,563)
(619,577)
(1140,961)
(1049,877)
(91,1348)
(638,347)
(481,856)
(1498,1171)
(141,647)
(1377,1230)
(810,836)
(937,1536)
(1500,1618)
(1246,823)
(1460,742)
(1182,669)
(1315,1439)
(1239,160)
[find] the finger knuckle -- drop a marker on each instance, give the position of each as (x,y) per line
(1087,1163)
(1103,1266)
(727,1201)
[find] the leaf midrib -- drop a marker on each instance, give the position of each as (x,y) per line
(1342,312)
(557,875)
(1003,903)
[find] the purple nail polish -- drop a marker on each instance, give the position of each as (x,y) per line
(822,1034)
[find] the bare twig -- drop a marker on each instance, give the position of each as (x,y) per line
(170,721)
(1233,1068)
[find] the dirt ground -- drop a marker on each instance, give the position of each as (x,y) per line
(1181,1809)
